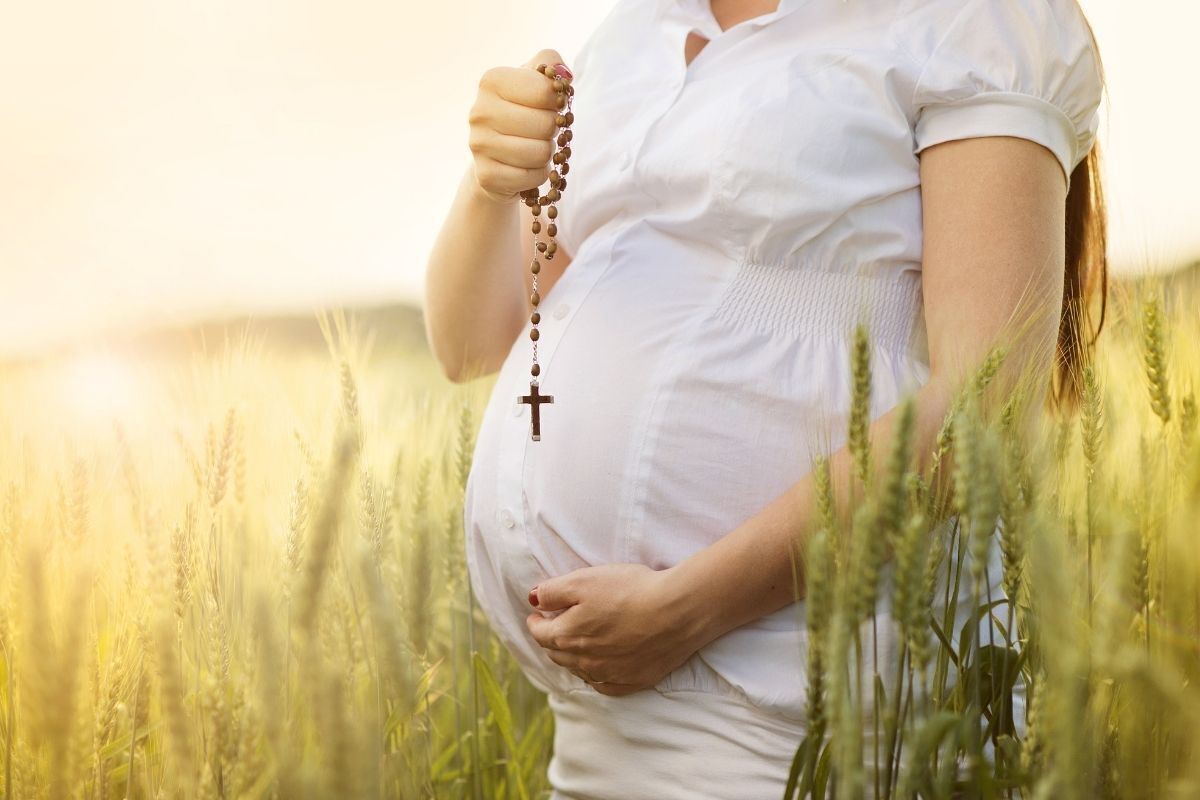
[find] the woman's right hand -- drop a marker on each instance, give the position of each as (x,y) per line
(512,128)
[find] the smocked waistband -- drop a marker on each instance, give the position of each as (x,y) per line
(802,298)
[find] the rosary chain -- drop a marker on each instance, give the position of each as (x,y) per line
(564,93)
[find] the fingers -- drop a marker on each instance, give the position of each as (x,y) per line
(514,151)
(513,124)
(557,593)
(545,56)
(549,633)
(504,179)
(520,85)
(502,116)
(591,673)
(583,667)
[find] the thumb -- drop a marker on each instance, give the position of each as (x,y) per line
(550,58)
(552,594)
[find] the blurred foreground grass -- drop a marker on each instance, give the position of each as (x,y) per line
(242,576)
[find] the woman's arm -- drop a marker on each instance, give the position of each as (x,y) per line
(476,301)
(474,298)
(993,218)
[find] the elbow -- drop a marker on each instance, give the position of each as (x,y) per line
(450,368)
(450,373)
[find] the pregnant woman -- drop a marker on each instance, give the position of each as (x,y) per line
(749,179)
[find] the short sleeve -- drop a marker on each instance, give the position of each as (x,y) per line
(1025,68)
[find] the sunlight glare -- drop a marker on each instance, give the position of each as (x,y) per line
(99,385)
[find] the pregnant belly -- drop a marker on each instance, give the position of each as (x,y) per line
(612,363)
(672,423)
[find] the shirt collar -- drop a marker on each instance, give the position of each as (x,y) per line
(702,10)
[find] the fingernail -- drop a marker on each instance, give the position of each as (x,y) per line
(533,598)
(563,72)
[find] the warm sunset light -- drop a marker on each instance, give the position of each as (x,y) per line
(176,163)
(99,385)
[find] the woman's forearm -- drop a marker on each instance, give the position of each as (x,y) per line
(474,290)
(748,573)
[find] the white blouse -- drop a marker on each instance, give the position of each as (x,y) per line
(729,222)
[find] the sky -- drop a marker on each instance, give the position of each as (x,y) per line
(167,161)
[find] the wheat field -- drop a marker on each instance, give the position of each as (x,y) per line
(242,576)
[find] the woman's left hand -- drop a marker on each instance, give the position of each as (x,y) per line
(621,627)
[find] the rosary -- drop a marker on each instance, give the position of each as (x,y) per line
(558,184)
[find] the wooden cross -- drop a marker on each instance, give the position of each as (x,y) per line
(535,400)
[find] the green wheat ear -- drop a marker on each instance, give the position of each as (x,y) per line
(819,607)
(894,498)
(1188,418)
(823,483)
(1154,355)
(860,406)
(909,586)
(1092,420)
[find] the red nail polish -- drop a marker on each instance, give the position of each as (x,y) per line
(533,598)
(563,72)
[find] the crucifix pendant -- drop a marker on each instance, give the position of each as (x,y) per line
(535,400)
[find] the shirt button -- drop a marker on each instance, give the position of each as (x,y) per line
(506,518)
(561,310)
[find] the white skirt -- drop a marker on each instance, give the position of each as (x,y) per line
(677,745)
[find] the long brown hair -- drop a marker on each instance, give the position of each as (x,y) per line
(1086,274)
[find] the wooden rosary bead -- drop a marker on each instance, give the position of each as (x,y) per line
(551,212)
(570,134)
(535,317)
(562,185)
(554,177)
(557,157)
(535,370)
(554,195)
(560,120)
(566,151)
(535,267)
(537,227)
(562,100)
(570,117)
(564,169)
(537,210)
(541,246)
(551,249)
(535,298)
(533,334)
(544,201)
(551,230)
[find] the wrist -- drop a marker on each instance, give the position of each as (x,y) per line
(687,607)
